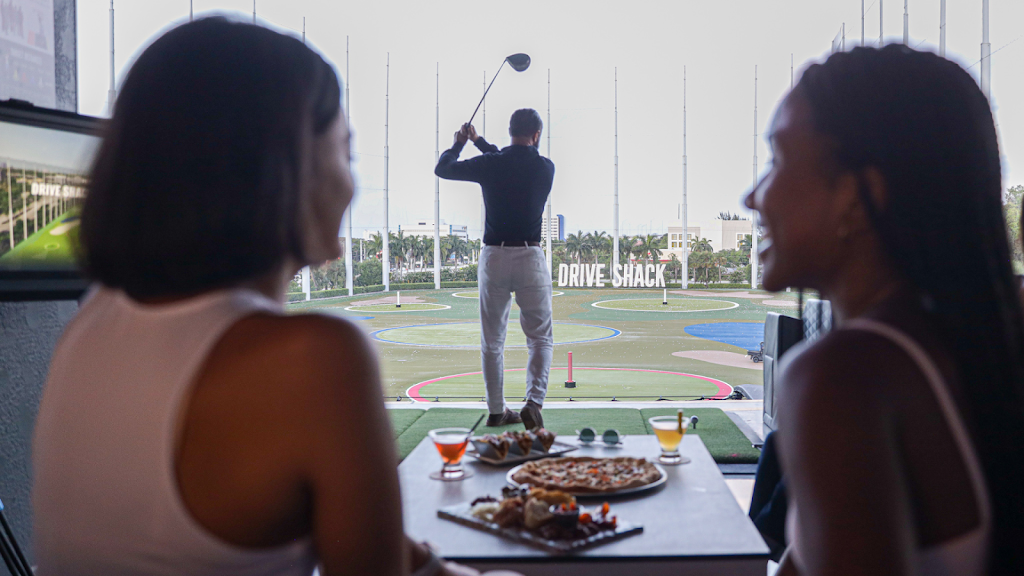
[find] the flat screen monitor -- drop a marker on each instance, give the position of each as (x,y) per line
(45,157)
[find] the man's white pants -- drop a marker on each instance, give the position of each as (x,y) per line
(501,271)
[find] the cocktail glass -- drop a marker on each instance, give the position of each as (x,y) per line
(670,432)
(451,444)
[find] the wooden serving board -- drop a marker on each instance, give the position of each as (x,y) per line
(460,515)
(557,449)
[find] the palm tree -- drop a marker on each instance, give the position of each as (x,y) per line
(744,245)
(650,248)
(701,245)
(375,245)
(626,247)
(415,250)
(398,247)
(674,265)
(428,251)
(574,245)
(598,241)
(461,246)
(475,246)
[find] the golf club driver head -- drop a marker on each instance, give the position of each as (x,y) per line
(519,62)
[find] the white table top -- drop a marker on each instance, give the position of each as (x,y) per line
(691,518)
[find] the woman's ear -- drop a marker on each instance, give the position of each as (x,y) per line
(876,187)
(858,195)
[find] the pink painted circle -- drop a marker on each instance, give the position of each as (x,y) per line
(597,382)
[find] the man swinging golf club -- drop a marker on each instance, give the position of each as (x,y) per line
(515,181)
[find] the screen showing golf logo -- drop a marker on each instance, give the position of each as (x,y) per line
(42,187)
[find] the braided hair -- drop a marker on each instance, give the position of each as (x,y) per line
(923,123)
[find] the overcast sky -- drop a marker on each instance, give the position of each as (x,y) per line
(581,42)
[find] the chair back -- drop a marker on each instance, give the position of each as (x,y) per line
(780,334)
(9,549)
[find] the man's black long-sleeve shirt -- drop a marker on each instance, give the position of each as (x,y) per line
(515,180)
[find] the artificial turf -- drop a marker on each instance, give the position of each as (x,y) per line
(407,307)
(467,334)
(402,419)
(658,305)
(723,439)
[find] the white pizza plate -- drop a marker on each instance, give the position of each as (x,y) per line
(623,492)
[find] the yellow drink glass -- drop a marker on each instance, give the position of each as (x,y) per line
(670,431)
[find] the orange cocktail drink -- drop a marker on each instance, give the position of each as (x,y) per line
(451,444)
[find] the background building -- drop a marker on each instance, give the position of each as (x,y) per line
(557,225)
(723,235)
(424,228)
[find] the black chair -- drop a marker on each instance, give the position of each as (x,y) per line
(780,334)
(9,549)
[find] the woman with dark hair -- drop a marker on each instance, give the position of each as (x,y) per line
(188,425)
(902,431)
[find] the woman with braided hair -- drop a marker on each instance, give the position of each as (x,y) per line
(901,432)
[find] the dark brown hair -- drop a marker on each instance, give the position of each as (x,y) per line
(197,183)
(924,124)
(525,122)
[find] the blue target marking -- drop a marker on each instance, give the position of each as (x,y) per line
(746,335)
(358,317)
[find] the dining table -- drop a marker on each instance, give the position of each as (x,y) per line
(692,524)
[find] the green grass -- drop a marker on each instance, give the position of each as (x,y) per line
(392,308)
(621,383)
(723,439)
(467,334)
(402,419)
(52,246)
(647,340)
(674,305)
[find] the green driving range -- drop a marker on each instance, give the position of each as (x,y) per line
(626,344)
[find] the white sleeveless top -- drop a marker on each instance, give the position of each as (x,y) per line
(963,555)
(105,496)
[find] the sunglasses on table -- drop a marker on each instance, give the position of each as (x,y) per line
(609,437)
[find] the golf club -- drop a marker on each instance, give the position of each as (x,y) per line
(518,62)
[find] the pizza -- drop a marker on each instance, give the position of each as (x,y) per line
(585,475)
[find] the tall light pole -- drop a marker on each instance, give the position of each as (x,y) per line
(112,93)
(437,181)
(306,272)
(753,218)
(348,213)
(253,11)
(385,235)
(615,213)
(862,22)
(881,36)
(685,235)
(986,53)
(548,242)
(906,24)
(942,28)
(189,10)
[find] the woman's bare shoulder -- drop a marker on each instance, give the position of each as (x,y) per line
(304,353)
(845,372)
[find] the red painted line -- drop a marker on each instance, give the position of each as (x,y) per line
(724,389)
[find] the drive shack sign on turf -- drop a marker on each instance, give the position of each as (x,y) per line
(624,276)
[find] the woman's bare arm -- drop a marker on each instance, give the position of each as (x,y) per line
(841,459)
(350,461)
